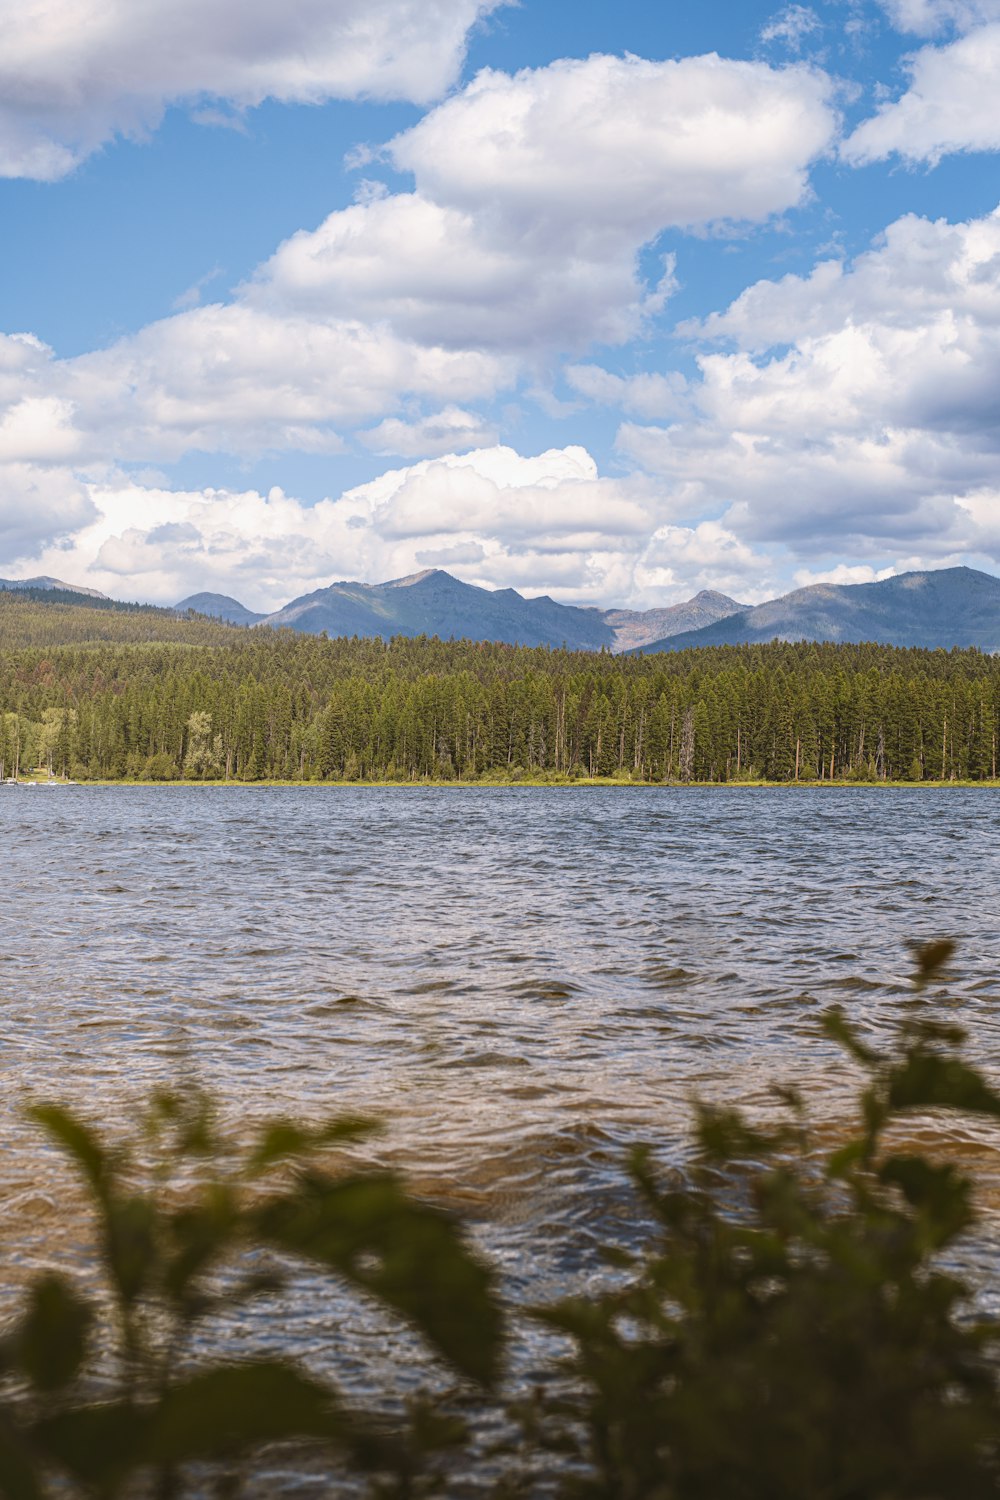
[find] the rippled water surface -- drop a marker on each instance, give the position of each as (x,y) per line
(520,980)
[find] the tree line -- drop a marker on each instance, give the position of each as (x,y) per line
(102,694)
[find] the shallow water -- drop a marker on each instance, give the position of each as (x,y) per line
(520,981)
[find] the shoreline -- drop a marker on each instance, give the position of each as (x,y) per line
(545,783)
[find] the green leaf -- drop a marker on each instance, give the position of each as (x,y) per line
(199,1235)
(844,1160)
(190,1114)
(589,1322)
(132,1230)
(407,1254)
(51,1341)
(214,1414)
(99,1445)
(430,1430)
(240,1406)
(18,1480)
(79,1141)
(940,1193)
(283,1138)
(724,1135)
(836,1026)
(926,1080)
(931,958)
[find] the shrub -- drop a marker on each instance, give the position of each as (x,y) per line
(164,1246)
(793,1332)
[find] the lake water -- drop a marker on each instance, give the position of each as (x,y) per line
(519,981)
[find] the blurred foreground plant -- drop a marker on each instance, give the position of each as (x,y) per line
(794,1333)
(141,1402)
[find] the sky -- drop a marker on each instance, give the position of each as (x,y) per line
(609,301)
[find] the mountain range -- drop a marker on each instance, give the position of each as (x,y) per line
(435,603)
(945,607)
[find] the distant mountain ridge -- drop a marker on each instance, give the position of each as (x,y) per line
(945,607)
(433,602)
(635,627)
(219,607)
(55,584)
(942,607)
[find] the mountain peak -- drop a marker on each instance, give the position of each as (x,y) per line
(412,578)
(49,584)
(219,607)
(712,596)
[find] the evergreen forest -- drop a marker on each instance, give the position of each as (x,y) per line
(91,692)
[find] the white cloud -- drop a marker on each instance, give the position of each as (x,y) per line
(856,418)
(983,509)
(499,495)
(791,26)
(496,516)
(441,274)
(645,395)
(928,17)
(681,560)
(74,74)
(874,429)
(952,104)
(221,378)
(535,193)
(918,268)
(844,573)
(442,432)
(38,428)
(606,145)
(37,505)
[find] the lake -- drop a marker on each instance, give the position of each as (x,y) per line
(520,981)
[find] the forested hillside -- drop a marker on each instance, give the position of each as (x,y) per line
(98,693)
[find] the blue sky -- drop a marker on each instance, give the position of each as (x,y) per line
(607,301)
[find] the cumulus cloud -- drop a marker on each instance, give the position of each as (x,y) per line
(952,104)
(928,17)
(498,494)
(498,517)
(221,378)
(439,273)
(447,431)
(583,147)
(684,559)
(919,267)
(534,196)
(876,427)
(73,75)
(535,192)
(850,413)
(39,505)
(847,573)
(649,394)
